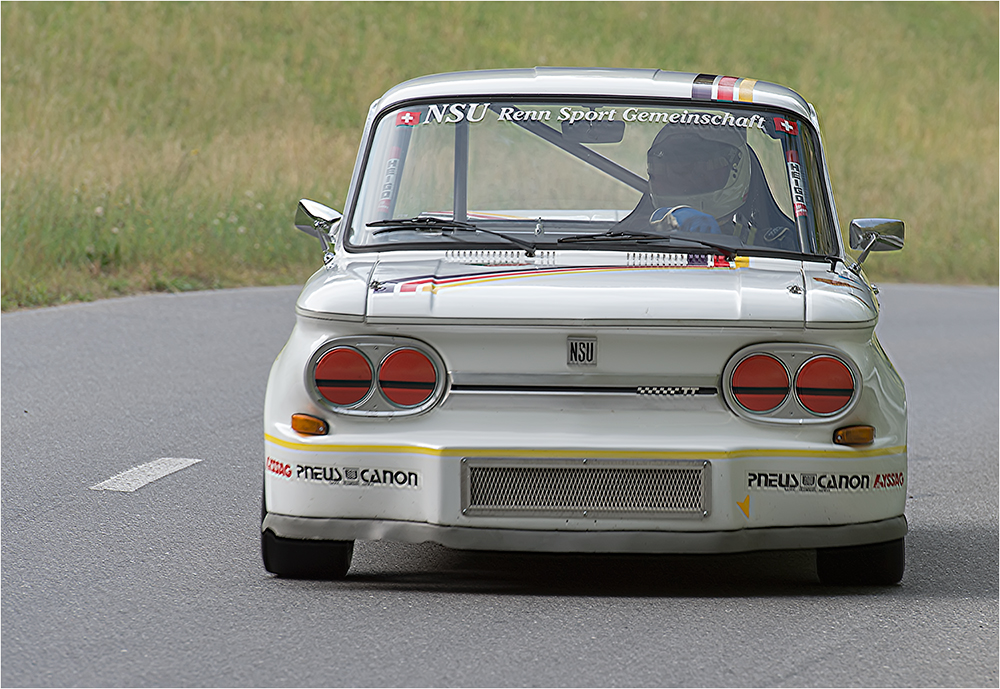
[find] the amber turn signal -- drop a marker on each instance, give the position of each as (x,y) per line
(309,425)
(854,435)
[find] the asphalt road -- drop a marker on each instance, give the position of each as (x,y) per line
(164,586)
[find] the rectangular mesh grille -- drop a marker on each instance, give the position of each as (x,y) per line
(577,488)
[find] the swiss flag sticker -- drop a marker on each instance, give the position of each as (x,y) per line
(785,127)
(407,118)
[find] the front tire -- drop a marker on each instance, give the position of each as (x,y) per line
(874,564)
(303,559)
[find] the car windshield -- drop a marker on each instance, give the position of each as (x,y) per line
(581,175)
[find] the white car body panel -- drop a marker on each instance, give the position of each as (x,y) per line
(665,326)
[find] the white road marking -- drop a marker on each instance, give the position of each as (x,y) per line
(136,477)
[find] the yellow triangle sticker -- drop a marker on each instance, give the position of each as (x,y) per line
(745,506)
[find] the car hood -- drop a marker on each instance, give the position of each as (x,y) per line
(646,290)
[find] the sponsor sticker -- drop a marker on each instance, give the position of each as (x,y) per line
(673,390)
(456,112)
(278,468)
(717,119)
(389,179)
(407,118)
(355,476)
(816,482)
(744,506)
(476,112)
(785,127)
(889,481)
(795,179)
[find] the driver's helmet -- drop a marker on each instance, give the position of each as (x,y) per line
(705,167)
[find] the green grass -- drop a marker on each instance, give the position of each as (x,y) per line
(150,146)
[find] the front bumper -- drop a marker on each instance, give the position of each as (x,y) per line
(479,538)
(414,486)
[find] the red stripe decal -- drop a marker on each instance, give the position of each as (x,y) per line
(726,88)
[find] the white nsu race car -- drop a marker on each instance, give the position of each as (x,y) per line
(588,311)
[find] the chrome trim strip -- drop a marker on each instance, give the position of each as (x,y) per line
(795,325)
(575,382)
(843,325)
(573,401)
(642,390)
(329,316)
(578,391)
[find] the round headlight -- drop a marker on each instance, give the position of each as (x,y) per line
(824,385)
(760,383)
(407,378)
(343,376)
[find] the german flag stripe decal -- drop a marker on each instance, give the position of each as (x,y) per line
(712,87)
(702,87)
(432,284)
(725,88)
(745,90)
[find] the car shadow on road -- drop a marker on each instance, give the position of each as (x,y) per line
(440,569)
(961,561)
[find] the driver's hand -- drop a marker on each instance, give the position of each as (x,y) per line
(776,235)
(685,219)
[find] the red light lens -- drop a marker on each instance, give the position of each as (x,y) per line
(407,378)
(343,376)
(824,385)
(760,383)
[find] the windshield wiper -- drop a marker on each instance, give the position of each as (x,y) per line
(766,252)
(426,223)
(638,237)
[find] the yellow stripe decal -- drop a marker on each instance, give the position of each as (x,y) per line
(527,453)
(434,287)
(746,90)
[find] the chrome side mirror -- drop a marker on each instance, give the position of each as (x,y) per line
(319,221)
(875,234)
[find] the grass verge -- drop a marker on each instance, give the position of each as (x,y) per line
(162,146)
